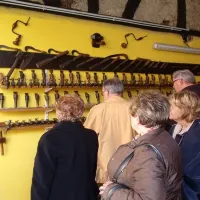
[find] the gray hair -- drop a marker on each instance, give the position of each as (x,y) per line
(185,74)
(114,86)
(152,108)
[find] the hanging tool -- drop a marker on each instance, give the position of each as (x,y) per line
(129,65)
(106,59)
(16,63)
(78,76)
(121,64)
(97,40)
(112,62)
(49,60)
(26,99)
(88,77)
(15,97)
(51,49)
(27,48)
(97,96)
(80,55)
(2,141)
(46,97)
(14,26)
(9,48)
(76,92)
(62,79)
(104,77)
(85,62)
(87,96)
(124,45)
(57,95)
(129,94)
(71,78)
(26,61)
(37,99)
(2,99)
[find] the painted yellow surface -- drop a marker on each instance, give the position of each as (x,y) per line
(62,33)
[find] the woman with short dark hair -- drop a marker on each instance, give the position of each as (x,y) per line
(185,110)
(66,159)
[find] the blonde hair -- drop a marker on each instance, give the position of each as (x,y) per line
(188,102)
(69,107)
(152,108)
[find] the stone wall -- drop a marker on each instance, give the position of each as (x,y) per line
(155,11)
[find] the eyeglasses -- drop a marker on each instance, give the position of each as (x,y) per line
(176,79)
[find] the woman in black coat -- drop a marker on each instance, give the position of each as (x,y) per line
(66,159)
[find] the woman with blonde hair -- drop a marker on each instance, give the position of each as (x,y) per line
(66,159)
(185,110)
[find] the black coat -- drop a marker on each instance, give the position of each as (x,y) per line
(65,164)
(194,88)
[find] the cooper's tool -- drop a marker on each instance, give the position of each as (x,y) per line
(37,99)
(96,81)
(27,48)
(15,97)
(13,82)
(46,97)
(51,49)
(30,83)
(66,82)
(97,96)
(97,40)
(49,60)
(57,95)
(116,75)
(78,76)
(80,55)
(52,80)
(71,78)
(145,65)
(133,80)
(140,80)
(26,99)
(160,80)
(37,83)
(129,94)
(124,45)
(9,48)
(34,76)
(111,63)
(17,41)
(147,80)
(153,80)
(2,141)
(22,78)
(26,61)
(104,77)
(106,59)
(165,80)
(124,79)
(76,92)
(121,64)
(66,92)
(87,96)
(2,99)
(85,62)
(18,83)
(44,81)
(16,63)
(129,65)
(88,77)
(62,78)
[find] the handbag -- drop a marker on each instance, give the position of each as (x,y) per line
(125,163)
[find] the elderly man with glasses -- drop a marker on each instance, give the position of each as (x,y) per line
(185,80)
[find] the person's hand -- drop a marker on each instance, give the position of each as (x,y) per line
(104,186)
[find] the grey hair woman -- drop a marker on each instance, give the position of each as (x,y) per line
(154,170)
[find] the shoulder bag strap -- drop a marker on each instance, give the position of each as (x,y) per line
(130,156)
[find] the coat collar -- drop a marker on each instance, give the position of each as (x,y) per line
(115,98)
(146,138)
(68,124)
